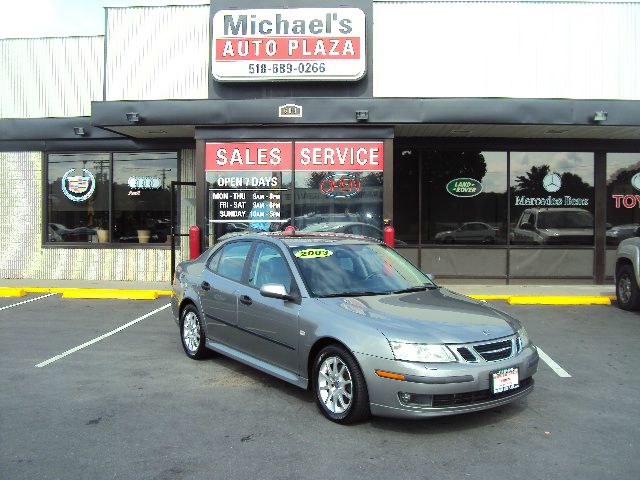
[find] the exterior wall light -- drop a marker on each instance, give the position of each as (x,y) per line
(133,117)
(600,116)
(79,131)
(362,115)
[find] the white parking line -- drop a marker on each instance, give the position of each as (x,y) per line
(27,301)
(554,366)
(101,337)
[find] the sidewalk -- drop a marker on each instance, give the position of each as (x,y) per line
(515,294)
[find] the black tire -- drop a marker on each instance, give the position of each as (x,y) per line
(627,291)
(449,240)
(190,314)
(358,406)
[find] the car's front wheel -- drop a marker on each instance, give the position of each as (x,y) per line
(339,386)
(627,291)
(192,333)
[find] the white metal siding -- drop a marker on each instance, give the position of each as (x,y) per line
(50,77)
(498,49)
(21,224)
(157,52)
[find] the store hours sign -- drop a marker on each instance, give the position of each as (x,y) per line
(289,44)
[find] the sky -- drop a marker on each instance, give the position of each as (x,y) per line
(61,18)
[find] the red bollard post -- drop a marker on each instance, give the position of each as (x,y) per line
(389,234)
(194,242)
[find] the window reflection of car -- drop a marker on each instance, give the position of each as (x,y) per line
(618,233)
(350,228)
(549,226)
(470,232)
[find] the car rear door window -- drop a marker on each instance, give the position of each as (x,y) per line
(232,260)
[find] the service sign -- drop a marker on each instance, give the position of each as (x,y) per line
(339,156)
(289,44)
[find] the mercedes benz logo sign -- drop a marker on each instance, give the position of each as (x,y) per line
(551,182)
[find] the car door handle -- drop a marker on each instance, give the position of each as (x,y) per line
(246,299)
(205,286)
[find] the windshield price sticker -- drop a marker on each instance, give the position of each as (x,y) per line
(313,253)
(504,380)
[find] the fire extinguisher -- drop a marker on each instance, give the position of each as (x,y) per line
(194,242)
(389,233)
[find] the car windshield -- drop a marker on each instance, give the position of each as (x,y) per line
(565,219)
(334,270)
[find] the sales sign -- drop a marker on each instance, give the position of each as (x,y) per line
(289,44)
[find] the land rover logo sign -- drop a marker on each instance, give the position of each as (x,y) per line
(464,187)
(635,181)
(78,188)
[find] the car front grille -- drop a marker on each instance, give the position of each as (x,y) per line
(470,398)
(494,351)
(489,352)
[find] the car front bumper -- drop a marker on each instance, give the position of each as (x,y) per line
(446,389)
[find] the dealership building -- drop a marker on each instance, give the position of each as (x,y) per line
(501,139)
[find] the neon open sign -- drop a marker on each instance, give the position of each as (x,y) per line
(340,185)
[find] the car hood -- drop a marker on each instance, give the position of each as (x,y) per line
(431,316)
(566,232)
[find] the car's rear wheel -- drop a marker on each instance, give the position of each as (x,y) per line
(627,291)
(339,386)
(192,333)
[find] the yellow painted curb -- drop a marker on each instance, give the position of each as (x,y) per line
(549,299)
(88,293)
(104,293)
(559,300)
(11,292)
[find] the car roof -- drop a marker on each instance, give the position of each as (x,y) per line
(298,239)
(556,209)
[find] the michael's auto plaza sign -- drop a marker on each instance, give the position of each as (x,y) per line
(289,44)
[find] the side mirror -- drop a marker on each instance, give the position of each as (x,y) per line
(526,226)
(430,276)
(637,233)
(275,290)
(608,226)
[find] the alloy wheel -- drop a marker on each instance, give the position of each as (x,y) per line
(191,332)
(335,385)
(624,288)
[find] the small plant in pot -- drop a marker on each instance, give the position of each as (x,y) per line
(102,232)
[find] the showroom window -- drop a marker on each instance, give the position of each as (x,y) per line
(552,198)
(102,198)
(623,200)
(339,202)
(464,197)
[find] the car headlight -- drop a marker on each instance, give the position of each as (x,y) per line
(523,338)
(421,352)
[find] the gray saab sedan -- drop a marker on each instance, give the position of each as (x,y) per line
(353,321)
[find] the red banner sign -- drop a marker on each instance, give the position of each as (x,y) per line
(329,156)
(291,48)
(248,156)
(340,156)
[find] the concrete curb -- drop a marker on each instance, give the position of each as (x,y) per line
(140,294)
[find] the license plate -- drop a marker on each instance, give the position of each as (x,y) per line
(504,380)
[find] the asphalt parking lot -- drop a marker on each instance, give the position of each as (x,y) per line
(132,405)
